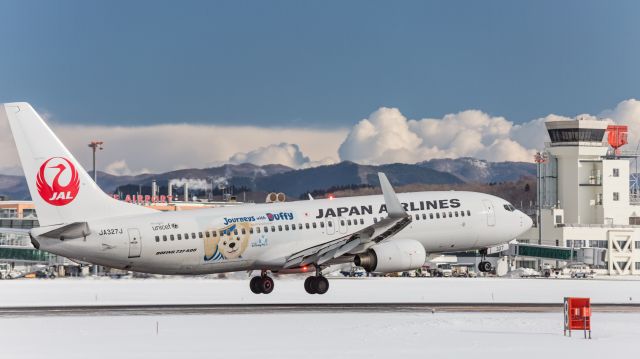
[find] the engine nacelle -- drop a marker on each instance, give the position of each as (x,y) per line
(393,256)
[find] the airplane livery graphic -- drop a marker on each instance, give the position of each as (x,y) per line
(55,193)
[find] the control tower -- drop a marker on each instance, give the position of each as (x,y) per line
(583,184)
(581,177)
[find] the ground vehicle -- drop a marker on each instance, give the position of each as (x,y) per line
(443,270)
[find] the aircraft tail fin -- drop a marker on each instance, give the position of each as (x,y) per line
(62,191)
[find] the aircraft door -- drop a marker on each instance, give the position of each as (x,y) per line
(135,243)
(491,214)
(342,225)
(331,229)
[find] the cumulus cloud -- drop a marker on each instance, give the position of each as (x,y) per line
(388,136)
(159,148)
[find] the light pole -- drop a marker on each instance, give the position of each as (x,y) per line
(540,158)
(95,145)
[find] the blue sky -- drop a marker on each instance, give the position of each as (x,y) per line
(316,64)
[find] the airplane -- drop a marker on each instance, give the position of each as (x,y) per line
(381,233)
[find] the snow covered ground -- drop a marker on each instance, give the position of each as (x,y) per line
(315,335)
(44,292)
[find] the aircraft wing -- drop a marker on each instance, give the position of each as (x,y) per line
(396,220)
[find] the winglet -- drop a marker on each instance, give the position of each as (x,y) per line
(394,207)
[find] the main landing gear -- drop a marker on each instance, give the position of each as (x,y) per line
(261,284)
(317,284)
(484,265)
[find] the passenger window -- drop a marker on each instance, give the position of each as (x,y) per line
(244,231)
(424,216)
(444,214)
(266,229)
(306,225)
(273,228)
(179,236)
(214,233)
(456,212)
(450,214)
(321,224)
(299,225)
(157,238)
(235,232)
(200,234)
(461,213)
(207,234)
(251,230)
(375,219)
(348,222)
(361,220)
(257,229)
(430,215)
(330,224)
(186,236)
(286,227)
(417,217)
(171,237)
(164,237)
(293,227)
(314,225)
(279,228)
(438,215)
(468,213)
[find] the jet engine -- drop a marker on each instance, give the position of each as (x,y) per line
(393,256)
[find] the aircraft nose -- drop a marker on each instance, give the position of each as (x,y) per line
(527,222)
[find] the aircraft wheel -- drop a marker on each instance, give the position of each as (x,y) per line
(267,285)
(321,285)
(309,285)
(255,284)
(485,266)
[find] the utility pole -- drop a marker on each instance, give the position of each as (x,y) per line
(95,145)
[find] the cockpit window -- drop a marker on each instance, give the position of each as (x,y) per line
(509,207)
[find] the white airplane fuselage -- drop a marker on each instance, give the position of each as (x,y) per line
(262,236)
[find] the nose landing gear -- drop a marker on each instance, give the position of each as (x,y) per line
(484,265)
(261,284)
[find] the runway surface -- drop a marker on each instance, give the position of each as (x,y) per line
(226,309)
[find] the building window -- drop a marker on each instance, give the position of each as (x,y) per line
(558,219)
(637,244)
(622,265)
(634,221)
(622,243)
(616,196)
(616,172)
(637,265)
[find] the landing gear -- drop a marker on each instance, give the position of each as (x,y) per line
(261,284)
(485,266)
(316,285)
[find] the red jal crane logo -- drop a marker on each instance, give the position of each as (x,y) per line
(55,193)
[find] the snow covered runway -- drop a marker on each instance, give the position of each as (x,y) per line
(315,335)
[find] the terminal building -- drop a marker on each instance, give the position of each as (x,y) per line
(586,196)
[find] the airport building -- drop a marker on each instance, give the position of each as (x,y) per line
(587,196)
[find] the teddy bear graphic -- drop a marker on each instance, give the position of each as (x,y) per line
(231,241)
